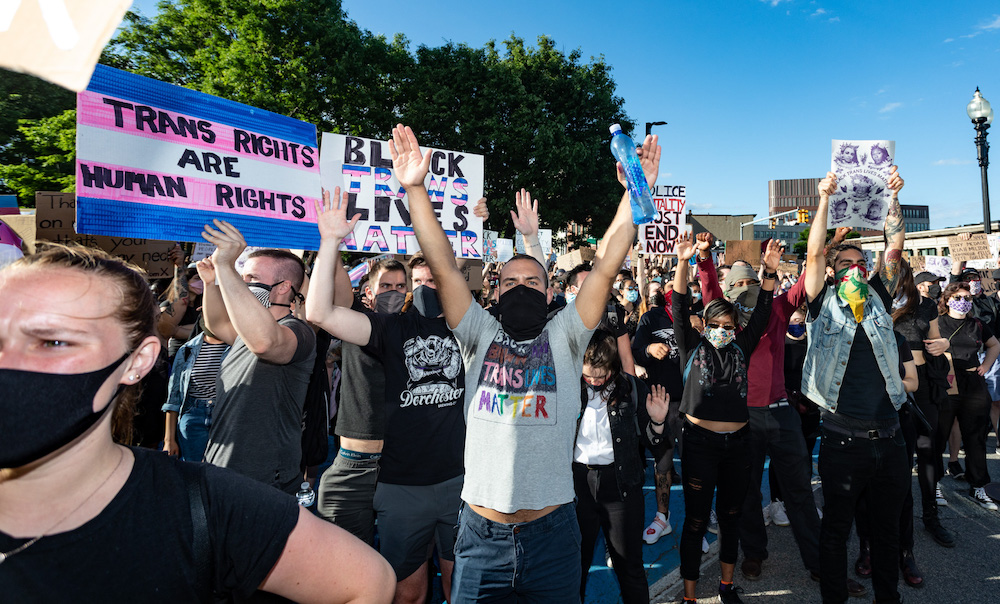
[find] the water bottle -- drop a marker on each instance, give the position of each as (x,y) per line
(306,495)
(623,148)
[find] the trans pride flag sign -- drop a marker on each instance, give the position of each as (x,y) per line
(159,161)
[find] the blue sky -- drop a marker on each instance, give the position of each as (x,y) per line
(755,90)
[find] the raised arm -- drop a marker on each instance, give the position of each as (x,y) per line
(525,220)
(592,300)
(257,327)
(213,308)
(895,235)
(341,322)
(410,167)
(707,275)
(815,253)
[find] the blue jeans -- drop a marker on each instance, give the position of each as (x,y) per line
(193,427)
(537,561)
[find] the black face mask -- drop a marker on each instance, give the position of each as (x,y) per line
(658,299)
(389,303)
(522,312)
(426,301)
(934,291)
(262,291)
(48,411)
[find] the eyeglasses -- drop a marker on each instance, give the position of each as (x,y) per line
(966,298)
(726,327)
(632,289)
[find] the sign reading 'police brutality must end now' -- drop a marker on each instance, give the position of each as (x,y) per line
(363,168)
(159,161)
(657,237)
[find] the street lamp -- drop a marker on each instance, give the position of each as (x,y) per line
(649,126)
(981,114)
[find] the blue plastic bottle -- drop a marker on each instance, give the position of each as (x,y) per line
(623,148)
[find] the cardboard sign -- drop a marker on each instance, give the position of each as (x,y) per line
(57,40)
(976,247)
(989,285)
(789,267)
(362,167)
(472,270)
(658,237)
(863,195)
(24,226)
(579,256)
(745,250)
(916,263)
(158,160)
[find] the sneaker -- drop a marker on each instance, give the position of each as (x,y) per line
(729,594)
(984,500)
(657,528)
(956,471)
(778,515)
(939,496)
(704,545)
(713,523)
(941,535)
(766,512)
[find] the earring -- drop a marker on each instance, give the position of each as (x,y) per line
(135,377)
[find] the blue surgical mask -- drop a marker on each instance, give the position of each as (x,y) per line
(570,296)
(632,295)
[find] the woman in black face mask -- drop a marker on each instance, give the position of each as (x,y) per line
(76,338)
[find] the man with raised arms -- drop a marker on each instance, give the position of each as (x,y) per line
(518,536)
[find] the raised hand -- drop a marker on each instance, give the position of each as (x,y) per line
(331,215)
(480,210)
(409,165)
(840,235)
(525,218)
(657,403)
(772,255)
(206,270)
(649,155)
(828,186)
(705,241)
(658,350)
(684,247)
(228,241)
(895,181)
(176,255)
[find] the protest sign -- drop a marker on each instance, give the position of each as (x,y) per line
(8,205)
(505,249)
(938,265)
(658,237)
(362,167)
(158,160)
(976,247)
(472,270)
(578,256)
(789,267)
(544,240)
(863,194)
(202,250)
(989,285)
(916,262)
(745,250)
(59,41)
(490,246)
(24,226)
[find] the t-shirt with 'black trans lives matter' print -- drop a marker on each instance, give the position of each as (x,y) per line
(522,401)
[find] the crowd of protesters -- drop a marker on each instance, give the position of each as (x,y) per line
(492,433)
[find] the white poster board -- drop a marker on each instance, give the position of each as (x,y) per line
(938,265)
(362,167)
(657,238)
(490,246)
(544,239)
(863,194)
(505,249)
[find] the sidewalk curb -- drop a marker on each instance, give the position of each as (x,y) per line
(668,588)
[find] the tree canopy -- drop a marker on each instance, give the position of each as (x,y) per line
(540,116)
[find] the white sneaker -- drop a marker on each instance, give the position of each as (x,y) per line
(939,496)
(984,500)
(658,527)
(713,522)
(704,545)
(778,515)
(766,511)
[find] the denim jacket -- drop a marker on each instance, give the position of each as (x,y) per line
(830,336)
(180,374)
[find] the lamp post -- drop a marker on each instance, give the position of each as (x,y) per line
(981,114)
(649,126)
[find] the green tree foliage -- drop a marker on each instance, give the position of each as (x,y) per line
(801,246)
(50,167)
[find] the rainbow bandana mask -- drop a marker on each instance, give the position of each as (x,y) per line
(852,288)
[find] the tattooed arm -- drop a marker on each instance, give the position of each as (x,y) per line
(895,235)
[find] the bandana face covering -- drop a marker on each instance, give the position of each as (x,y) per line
(522,312)
(390,302)
(745,300)
(426,301)
(48,411)
(719,337)
(975,287)
(962,307)
(852,287)
(262,291)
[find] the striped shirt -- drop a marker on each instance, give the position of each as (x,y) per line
(205,371)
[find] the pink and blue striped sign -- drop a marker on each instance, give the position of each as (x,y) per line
(159,161)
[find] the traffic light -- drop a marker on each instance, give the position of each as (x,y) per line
(803,216)
(773,223)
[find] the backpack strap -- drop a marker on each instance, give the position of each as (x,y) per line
(199,520)
(687,368)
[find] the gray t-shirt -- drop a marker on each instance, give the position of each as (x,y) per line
(521,405)
(257,420)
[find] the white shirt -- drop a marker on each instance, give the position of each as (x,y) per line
(593,443)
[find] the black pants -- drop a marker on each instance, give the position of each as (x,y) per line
(863,515)
(972,408)
(930,468)
(711,461)
(848,466)
(778,433)
(600,506)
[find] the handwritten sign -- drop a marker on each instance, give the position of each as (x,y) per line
(23,226)
(505,249)
(544,240)
(863,194)
(657,237)
(938,265)
(362,167)
(490,246)
(745,250)
(976,247)
(158,160)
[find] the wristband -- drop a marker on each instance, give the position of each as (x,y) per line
(768,275)
(655,423)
